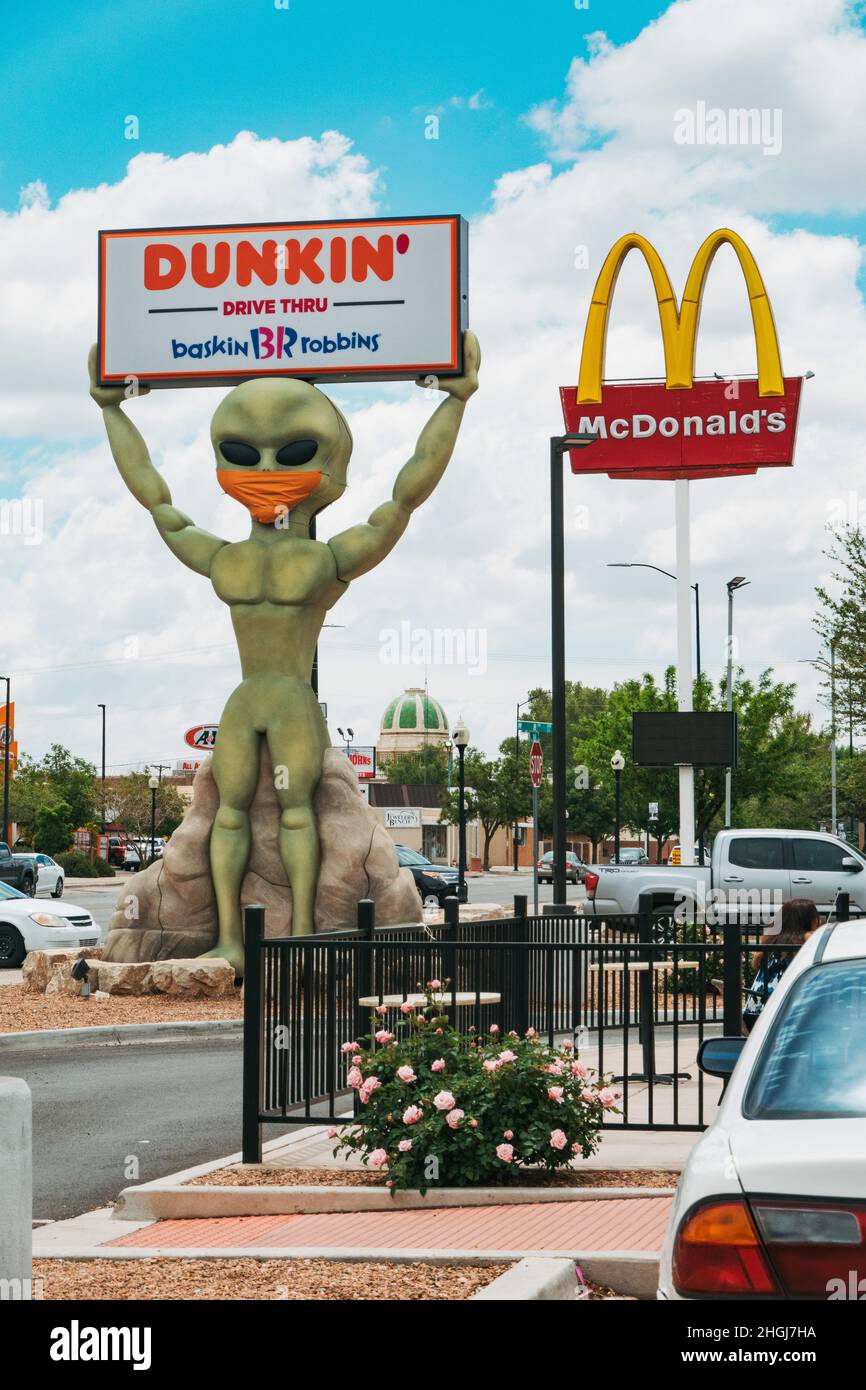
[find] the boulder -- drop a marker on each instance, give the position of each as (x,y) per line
(61,981)
(168,911)
(193,979)
(41,966)
(116,977)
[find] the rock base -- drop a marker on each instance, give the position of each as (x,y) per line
(49,972)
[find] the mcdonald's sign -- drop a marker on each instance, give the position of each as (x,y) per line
(683,429)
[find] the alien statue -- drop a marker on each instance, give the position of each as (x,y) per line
(282,449)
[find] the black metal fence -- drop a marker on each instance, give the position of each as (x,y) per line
(636,994)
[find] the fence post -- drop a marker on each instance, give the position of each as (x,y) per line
(449,941)
(521,965)
(16,1200)
(254,930)
(364,975)
(732,979)
(842,907)
(646,983)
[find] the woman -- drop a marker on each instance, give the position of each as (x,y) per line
(797,920)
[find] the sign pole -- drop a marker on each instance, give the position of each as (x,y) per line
(684,663)
(535,848)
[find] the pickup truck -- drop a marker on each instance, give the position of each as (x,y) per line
(18,871)
(748,868)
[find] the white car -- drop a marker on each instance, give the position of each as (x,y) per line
(50,876)
(772,1201)
(29,925)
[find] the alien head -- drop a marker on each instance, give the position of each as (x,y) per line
(281,447)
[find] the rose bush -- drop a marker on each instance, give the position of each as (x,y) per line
(440,1106)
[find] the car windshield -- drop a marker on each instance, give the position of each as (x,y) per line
(411,856)
(813,1062)
(7,892)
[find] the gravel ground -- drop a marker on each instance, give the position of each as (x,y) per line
(20,1012)
(352,1177)
(259,1279)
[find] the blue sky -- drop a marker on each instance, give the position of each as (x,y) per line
(195,73)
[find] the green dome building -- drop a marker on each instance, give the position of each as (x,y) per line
(412,720)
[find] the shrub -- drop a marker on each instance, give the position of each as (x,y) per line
(456,1109)
(78,865)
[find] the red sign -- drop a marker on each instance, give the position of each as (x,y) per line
(709,430)
(536,763)
(363,761)
(202,736)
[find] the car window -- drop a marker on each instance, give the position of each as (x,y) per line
(7,891)
(411,856)
(813,1061)
(547,857)
(756,852)
(820,855)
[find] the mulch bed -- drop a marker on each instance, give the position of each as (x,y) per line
(20,1012)
(361,1177)
(247,1279)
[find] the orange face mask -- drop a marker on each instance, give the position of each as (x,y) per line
(267,495)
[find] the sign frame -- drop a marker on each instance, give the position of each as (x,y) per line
(459,307)
(675,720)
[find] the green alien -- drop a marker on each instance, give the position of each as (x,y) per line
(283,449)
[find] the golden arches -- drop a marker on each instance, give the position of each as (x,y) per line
(679,325)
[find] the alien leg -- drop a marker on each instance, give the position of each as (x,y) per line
(297,741)
(236,773)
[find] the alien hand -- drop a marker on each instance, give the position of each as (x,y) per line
(110,395)
(461,387)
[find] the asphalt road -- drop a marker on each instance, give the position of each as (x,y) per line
(106,1117)
(501,888)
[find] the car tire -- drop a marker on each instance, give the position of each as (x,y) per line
(58,889)
(28,885)
(12,948)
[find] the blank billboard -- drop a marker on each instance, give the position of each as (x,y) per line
(667,738)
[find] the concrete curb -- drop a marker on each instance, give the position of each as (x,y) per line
(116,1034)
(165,1200)
(633,1272)
(532,1281)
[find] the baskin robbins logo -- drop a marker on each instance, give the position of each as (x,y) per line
(682,428)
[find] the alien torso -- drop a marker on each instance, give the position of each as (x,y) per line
(290,571)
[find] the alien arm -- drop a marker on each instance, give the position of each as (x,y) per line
(362,547)
(194,547)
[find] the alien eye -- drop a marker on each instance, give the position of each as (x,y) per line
(243,454)
(299,451)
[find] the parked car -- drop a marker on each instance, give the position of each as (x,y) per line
(574,869)
(772,1201)
(434,882)
(781,864)
(630,856)
(27,925)
(50,876)
(19,871)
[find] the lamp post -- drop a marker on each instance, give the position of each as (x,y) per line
(559,445)
(461,739)
(520,705)
(738,582)
(617,762)
(639,565)
(7,738)
(153,783)
(102,707)
(347,738)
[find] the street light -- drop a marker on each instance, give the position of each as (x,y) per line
(347,738)
(461,739)
(520,705)
(7,738)
(617,762)
(738,582)
(559,445)
(153,783)
(639,565)
(102,707)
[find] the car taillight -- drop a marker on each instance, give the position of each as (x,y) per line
(718,1251)
(818,1250)
(590,881)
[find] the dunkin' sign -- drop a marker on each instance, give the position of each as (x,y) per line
(374,299)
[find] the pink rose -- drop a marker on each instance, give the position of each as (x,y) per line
(587,1095)
(494,1028)
(439,1032)
(434,984)
(332,1133)
(405,1145)
(508,1134)
(454,1117)
(406,1074)
(492,1064)
(507,1056)
(473,1124)
(576,1148)
(578,1069)
(349,1047)
(378,1158)
(356,1061)
(438,1065)
(531,1033)
(568,1045)
(407,1008)
(354,1078)
(444,1101)
(412,1115)
(554,1068)
(558,1139)
(383,1036)
(505,1152)
(370,1085)
(607,1096)
(555,1093)
(381,1009)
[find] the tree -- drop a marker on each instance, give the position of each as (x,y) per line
(53,825)
(427,766)
(492,794)
(129,803)
(57,777)
(841,619)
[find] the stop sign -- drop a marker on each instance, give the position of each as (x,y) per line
(536,763)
